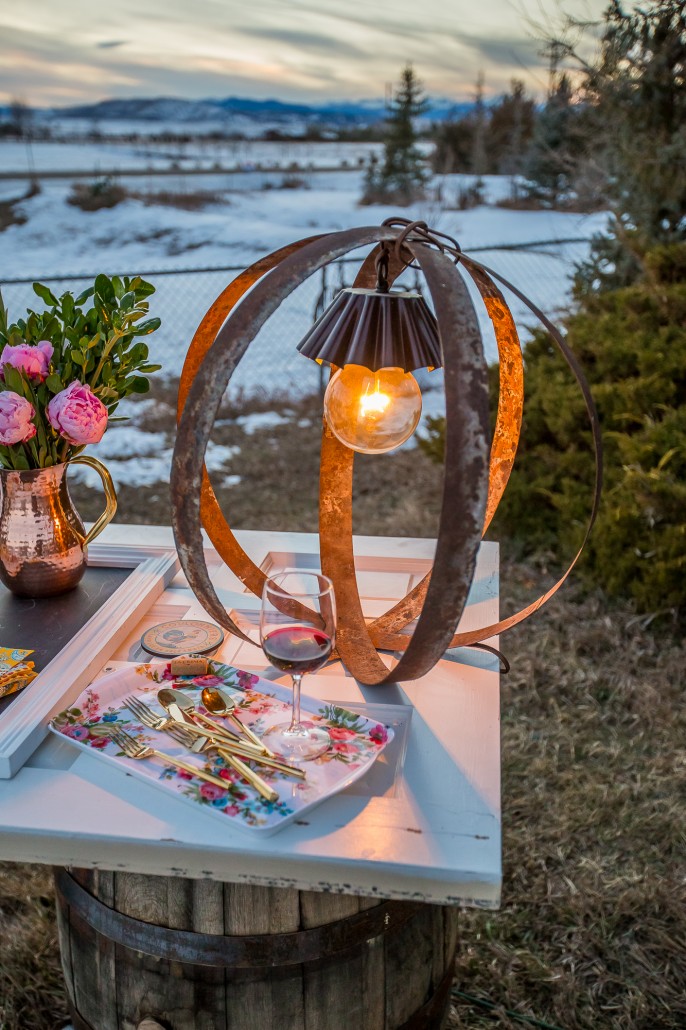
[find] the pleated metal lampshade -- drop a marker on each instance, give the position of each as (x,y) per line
(375,330)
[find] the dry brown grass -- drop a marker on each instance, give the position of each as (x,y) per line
(31,986)
(191,200)
(592,931)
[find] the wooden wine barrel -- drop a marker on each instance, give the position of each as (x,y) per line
(203,955)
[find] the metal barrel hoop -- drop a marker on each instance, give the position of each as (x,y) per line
(395,640)
(464,496)
(385,631)
(337,461)
(214,365)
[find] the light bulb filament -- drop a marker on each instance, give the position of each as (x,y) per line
(374,403)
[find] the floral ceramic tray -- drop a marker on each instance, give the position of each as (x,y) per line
(356,741)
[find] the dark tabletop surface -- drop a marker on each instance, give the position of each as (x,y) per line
(47,624)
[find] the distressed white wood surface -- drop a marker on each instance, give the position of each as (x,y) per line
(435,837)
(24,724)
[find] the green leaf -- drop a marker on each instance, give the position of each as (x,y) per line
(3,315)
(139,384)
(104,288)
(141,287)
(45,294)
(13,379)
(67,307)
(20,460)
(149,368)
(54,383)
(83,297)
(118,286)
(77,356)
(145,328)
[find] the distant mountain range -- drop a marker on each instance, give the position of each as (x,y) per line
(230,109)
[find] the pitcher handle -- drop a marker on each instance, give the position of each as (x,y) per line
(110,494)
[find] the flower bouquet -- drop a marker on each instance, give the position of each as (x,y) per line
(63,371)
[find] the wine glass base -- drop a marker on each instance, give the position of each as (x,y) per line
(300,743)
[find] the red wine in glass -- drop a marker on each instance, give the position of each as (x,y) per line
(297,649)
(297,631)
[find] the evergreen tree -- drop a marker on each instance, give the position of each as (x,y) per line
(400,178)
(489,139)
(510,129)
(635,101)
(557,144)
(628,332)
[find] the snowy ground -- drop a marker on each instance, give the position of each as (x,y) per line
(246,222)
(18,156)
(59,239)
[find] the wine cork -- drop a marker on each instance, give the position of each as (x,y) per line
(189,665)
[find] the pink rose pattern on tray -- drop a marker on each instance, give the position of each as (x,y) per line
(355,740)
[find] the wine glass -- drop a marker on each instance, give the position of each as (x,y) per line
(297,629)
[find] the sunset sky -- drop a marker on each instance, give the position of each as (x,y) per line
(59,52)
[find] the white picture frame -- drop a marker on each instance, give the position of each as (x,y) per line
(24,724)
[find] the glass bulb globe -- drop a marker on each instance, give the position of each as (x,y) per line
(372,412)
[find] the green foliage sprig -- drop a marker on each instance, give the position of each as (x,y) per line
(631,344)
(97,340)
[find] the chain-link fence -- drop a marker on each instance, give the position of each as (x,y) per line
(541,270)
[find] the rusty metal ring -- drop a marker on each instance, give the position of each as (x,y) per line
(467,433)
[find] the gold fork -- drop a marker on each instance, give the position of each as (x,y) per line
(133,748)
(145,714)
(246,773)
(202,744)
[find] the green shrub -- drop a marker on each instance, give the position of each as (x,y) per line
(631,344)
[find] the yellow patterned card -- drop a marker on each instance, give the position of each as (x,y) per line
(12,656)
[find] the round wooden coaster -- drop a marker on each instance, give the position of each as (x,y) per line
(182,636)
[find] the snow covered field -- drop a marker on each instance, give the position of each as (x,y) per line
(43,157)
(245,222)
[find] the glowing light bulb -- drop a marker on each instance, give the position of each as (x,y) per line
(372,412)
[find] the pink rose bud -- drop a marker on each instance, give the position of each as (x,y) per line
(34,362)
(78,414)
(15,419)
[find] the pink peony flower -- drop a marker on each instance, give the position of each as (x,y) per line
(77,732)
(338,733)
(378,734)
(207,681)
(15,419)
(344,749)
(34,362)
(210,792)
(78,414)
(246,679)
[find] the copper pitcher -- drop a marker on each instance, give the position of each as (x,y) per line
(43,542)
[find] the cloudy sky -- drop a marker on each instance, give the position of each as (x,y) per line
(58,52)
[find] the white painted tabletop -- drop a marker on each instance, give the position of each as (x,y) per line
(431,832)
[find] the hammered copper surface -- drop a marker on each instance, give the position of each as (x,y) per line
(41,534)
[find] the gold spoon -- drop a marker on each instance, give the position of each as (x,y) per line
(218,702)
(179,706)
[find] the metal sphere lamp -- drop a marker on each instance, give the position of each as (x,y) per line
(373,338)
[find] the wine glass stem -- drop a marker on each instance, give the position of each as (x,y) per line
(295,719)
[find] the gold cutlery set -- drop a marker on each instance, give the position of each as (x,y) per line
(201,735)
